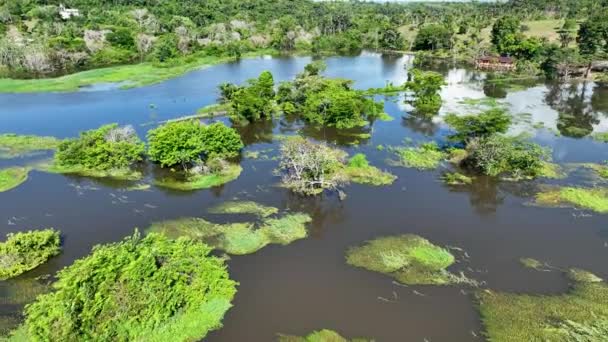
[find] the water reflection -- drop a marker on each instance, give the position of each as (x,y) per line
(325,210)
(420,124)
(576,115)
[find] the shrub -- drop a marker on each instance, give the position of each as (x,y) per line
(253,102)
(22,252)
(105,148)
(492,121)
(185,142)
(152,289)
(499,155)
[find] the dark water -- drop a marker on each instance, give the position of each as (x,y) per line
(307,285)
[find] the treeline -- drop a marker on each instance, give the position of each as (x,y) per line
(42,37)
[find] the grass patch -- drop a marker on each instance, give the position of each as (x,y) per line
(22,252)
(595,199)
(13,145)
(456,178)
(427,156)
(600,169)
(602,137)
(579,315)
(125,174)
(359,171)
(136,75)
(551,171)
(410,259)
(210,111)
(320,336)
(12,177)
(232,172)
(238,238)
(244,207)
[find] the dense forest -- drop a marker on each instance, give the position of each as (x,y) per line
(49,37)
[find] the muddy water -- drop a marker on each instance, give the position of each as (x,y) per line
(307,285)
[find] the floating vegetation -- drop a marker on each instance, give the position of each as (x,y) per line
(603,137)
(456,178)
(320,336)
(427,156)
(175,289)
(456,155)
(25,251)
(238,238)
(210,111)
(385,117)
(579,315)
(532,263)
(551,171)
(258,154)
(125,174)
(359,171)
(595,199)
(244,207)
(583,276)
(204,181)
(600,169)
(410,259)
(139,187)
(12,145)
(12,177)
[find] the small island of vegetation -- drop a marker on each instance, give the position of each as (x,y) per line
(174,288)
(25,251)
(410,259)
(13,145)
(12,177)
(324,335)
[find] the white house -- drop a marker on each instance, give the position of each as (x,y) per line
(67,13)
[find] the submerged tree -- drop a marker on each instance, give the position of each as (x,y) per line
(253,102)
(426,86)
(495,120)
(309,168)
(108,147)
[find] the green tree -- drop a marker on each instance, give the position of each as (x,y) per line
(176,143)
(121,37)
(593,39)
(108,147)
(166,48)
(186,142)
(567,33)
(506,34)
(425,86)
(254,101)
(433,37)
(391,39)
(492,121)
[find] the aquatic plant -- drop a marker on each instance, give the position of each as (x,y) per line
(25,251)
(12,177)
(358,170)
(579,315)
(603,137)
(13,145)
(456,178)
(531,263)
(226,174)
(600,169)
(238,238)
(583,276)
(427,156)
(324,335)
(173,288)
(426,86)
(408,258)
(124,174)
(595,199)
(551,171)
(243,207)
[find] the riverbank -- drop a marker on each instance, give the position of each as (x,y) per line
(129,76)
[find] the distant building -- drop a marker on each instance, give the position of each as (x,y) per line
(67,13)
(495,63)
